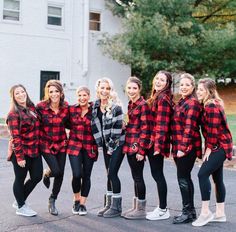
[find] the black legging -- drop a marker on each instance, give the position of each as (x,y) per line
(137,174)
(184,167)
(214,167)
(81,166)
(156,164)
(112,164)
(21,188)
(56,163)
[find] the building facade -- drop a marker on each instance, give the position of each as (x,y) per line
(41,40)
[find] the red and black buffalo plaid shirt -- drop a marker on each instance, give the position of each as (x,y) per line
(185,126)
(162,110)
(216,130)
(53,137)
(24,130)
(81,133)
(137,138)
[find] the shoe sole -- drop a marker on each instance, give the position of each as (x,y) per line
(74,212)
(157,218)
(82,214)
(26,215)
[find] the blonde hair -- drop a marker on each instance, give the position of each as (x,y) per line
(83,88)
(212,94)
(192,79)
(113,94)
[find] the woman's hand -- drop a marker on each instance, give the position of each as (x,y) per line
(206,155)
(180,154)
(156,153)
(21,163)
(139,157)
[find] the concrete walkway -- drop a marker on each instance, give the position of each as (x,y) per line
(66,221)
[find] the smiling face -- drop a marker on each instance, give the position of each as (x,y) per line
(54,95)
(202,93)
(104,91)
(83,98)
(185,87)
(133,91)
(160,82)
(20,96)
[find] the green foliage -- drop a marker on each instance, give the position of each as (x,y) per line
(187,35)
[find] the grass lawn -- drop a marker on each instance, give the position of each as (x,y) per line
(231,118)
(2,120)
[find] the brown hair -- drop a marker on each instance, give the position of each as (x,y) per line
(136,80)
(210,86)
(15,107)
(167,88)
(57,84)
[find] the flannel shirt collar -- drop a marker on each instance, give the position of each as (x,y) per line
(47,105)
(134,104)
(182,100)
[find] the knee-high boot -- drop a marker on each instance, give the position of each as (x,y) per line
(186,215)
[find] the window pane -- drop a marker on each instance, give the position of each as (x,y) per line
(11,5)
(94,16)
(54,11)
(54,21)
(10,15)
(94,26)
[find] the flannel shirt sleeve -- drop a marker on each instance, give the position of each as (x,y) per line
(145,123)
(116,130)
(163,118)
(191,125)
(14,128)
(213,120)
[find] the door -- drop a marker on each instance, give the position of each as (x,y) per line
(46,76)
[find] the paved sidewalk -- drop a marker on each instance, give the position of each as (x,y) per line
(9,221)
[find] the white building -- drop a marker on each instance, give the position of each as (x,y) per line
(43,39)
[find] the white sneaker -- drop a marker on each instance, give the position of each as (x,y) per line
(158,214)
(15,204)
(26,211)
(203,219)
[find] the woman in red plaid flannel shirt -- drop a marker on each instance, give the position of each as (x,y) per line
(107,121)
(137,141)
(23,124)
(54,114)
(218,148)
(186,144)
(82,149)
(161,106)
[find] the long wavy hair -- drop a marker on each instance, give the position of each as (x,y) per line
(14,106)
(57,84)
(113,94)
(212,94)
(167,88)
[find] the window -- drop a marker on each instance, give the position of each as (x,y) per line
(11,10)
(94,21)
(55,15)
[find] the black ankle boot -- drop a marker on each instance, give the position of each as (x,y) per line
(185,217)
(51,206)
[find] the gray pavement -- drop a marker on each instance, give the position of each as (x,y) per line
(66,221)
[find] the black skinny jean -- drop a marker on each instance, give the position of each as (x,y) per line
(214,167)
(22,189)
(56,163)
(157,164)
(112,164)
(81,166)
(184,167)
(137,174)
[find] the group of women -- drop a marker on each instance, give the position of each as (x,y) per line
(154,128)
